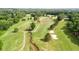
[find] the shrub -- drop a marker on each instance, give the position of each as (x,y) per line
(46,38)
(15,30)
(23,19)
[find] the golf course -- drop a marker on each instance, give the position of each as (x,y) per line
(38,30)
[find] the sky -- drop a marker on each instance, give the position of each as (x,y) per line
(39,4)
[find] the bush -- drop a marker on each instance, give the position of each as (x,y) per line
(32,26)
(46,38)
(15,30)
(23,19)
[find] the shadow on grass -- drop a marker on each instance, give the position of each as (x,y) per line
(73,39)
(1,44)
(53,25)
(46,38)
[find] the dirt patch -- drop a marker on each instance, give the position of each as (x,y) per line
(44,20)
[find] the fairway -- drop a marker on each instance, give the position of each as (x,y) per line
(13,41)
(20,40)
(39,30)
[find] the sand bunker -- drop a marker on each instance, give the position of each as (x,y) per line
(53,35)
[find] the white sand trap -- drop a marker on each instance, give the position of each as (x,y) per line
(53,35)
(51,32)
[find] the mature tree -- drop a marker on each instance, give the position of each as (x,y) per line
(61,16)
(73,24)
(32,25)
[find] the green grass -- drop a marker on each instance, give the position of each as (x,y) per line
(2,32)
(40,33)
(27,45)
(13,41)
(64,41)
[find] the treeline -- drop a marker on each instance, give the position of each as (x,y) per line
(73,23)
(8,17)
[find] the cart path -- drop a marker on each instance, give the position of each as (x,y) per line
(24,40)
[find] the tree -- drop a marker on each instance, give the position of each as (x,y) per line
(23,19)
(47,37)
(32,25)
(73,24)
(61,16)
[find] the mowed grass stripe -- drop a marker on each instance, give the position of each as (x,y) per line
(13,41)
(40,34)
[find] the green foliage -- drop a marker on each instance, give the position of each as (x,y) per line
(23,19)
(10,17)
(73,23)
(5,24)
(15,30)
(47,37)
(1,44)
(32,25)
(35,16)
(61,16)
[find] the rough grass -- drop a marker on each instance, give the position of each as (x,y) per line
(64,41)
(13,41)
(2,32)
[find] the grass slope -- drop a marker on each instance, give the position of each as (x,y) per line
(13,41)
(64,41)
